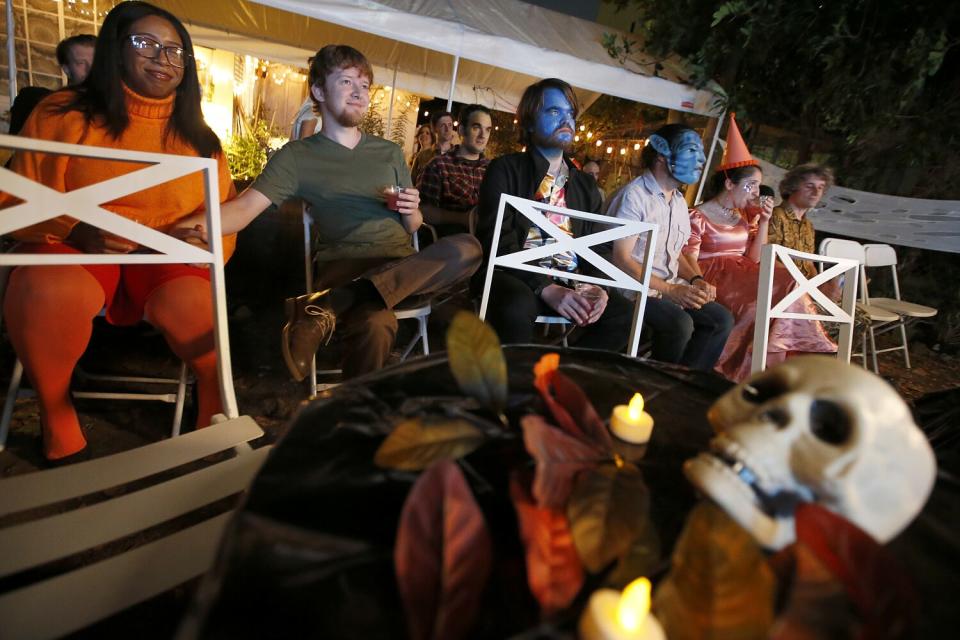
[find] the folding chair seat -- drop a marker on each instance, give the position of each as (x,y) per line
(878,317)
(413,308)
(521,260)
(767,308)
(42,203)
(883,255)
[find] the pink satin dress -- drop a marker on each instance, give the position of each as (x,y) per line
(720,253)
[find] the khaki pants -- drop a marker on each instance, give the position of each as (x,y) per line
(370,327)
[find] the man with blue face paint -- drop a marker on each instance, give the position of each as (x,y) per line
(687,326)
(547,119)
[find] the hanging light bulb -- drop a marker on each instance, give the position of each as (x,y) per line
(609,149)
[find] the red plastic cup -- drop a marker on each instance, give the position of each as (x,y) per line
(392,195)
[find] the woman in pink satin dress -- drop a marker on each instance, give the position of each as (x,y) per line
(728,232)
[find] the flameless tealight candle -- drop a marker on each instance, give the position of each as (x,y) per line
(632,423)
(611,615)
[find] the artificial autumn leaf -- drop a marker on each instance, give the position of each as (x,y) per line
(559,458)
(882,595)
(608,510)
(442,555)
(554,571)
(720,585)
(568,404)
(476,360)
(417,443)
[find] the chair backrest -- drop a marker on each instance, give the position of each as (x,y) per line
(617,228)
(43,203)
(767,308)
(62,598)
(851,250)
(879,255)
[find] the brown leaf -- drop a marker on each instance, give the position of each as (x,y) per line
(608,510)
(568,404)
(476,360)
(833,551)
(720,585)
(442,555)
(415,444)
(559,458)
(554,571)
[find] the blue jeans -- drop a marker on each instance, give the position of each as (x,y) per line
(692,337)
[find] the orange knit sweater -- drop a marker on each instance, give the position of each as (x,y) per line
(157,207)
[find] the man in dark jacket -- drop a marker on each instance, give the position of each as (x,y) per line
(547,118)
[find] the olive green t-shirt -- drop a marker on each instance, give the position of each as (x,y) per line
(343,186)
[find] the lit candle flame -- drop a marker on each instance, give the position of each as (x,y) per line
(634,602)
(636,406)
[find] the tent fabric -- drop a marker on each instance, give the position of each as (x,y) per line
(504,45)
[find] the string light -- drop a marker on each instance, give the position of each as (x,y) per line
(609,149)
(589,134)
(623,151)
(636,147)
(599,143)
(576,138)
(583,127)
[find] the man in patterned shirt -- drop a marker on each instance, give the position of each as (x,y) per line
(450,184)
(801,189)
(547,120)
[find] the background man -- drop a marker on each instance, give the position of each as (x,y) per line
(75,55)
(688,327)
(366,263)
(801,189)
(443,132)
(591,167)
(450,184)
(547,118)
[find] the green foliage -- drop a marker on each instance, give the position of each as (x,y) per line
(877,77)
(247,150)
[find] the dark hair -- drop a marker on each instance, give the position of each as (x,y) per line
(416,137)
(471,109)
(27,98)
(435,118)
(532,101)
(735,175)
(671,133)
(101,94)
(332,58)
(795,177)
(80,40)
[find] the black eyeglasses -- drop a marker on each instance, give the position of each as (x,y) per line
(147,47)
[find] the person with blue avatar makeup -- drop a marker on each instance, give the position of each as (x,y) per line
(547,120)
(687,326)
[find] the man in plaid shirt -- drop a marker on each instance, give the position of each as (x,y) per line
(450,185)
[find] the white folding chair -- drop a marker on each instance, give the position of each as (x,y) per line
(43,203)
(617,228)
(878,317)
(768,309)
(883,255)
(415,309)
(85,577)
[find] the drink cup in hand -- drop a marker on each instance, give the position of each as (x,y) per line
(590,292)
(391,194)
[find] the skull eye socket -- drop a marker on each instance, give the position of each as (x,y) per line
(829,422)
(760,390)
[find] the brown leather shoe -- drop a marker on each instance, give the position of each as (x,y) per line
(310,323)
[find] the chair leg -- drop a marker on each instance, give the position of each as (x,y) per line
(423,335)
(873,351)
(903,338)
(13,390)
(181,400)
(313,376)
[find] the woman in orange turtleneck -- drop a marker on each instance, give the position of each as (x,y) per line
(142,94)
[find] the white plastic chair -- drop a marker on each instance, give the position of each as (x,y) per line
(878,316)
(43,203)
(414,310)
(883,255)
(616,229)
(63,598)
(767,308)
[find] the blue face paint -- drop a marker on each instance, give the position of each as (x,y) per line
(555,123)
(686,158)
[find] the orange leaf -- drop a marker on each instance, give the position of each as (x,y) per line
(554,572)
(559,458)
(442,555)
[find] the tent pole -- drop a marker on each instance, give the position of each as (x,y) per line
(453,82)
(11,53)
(706,167)
(393,90)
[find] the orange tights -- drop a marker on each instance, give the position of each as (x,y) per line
(49,313)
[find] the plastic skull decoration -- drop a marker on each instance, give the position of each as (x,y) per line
(815,429)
